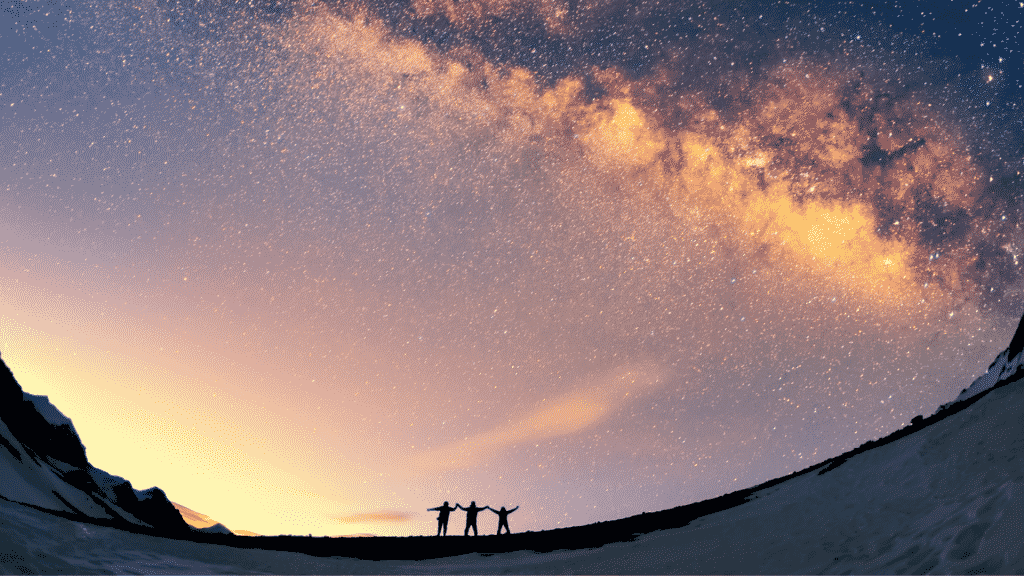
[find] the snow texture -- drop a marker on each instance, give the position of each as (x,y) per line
(28,479)
(1001,370)
(1006,367)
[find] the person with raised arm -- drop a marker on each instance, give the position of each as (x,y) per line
(471,513)
(442,517)
(503,517)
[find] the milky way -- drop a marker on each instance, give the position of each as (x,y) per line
(586,258)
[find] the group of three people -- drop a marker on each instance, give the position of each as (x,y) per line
(444,510)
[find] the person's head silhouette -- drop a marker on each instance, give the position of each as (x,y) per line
(472,504)
(502,508)
(445,502)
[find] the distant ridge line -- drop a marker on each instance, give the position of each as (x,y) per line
(1016,343)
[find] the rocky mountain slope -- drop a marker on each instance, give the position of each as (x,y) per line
(43,464)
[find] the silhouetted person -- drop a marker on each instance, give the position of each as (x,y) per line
(471,516)
(442,517)
(503,517)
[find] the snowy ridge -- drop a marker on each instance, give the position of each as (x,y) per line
(1006,367)
(43,464)
(55,485)
(1000,371)
(217,528)
(51,484)
(201,522)
(115,487)
(49,412)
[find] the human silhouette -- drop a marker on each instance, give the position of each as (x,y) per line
(471,516)
(503,517)
(442,517)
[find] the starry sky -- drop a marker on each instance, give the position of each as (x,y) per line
(313,267)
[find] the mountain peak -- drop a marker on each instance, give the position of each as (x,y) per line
(1008,366)
(45,465)
(1017,342)
(39,425)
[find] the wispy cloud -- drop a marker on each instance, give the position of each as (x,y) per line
(380,517)
(561,416)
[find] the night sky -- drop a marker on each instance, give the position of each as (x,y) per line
(317,266)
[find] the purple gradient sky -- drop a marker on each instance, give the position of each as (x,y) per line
(314,269)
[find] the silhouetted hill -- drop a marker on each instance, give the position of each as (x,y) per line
(217,528)
(44,465)
(55,438)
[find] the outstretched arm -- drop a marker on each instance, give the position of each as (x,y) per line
(513,510)
(457,507)
(430,509)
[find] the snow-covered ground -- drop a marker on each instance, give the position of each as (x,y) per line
(948,498)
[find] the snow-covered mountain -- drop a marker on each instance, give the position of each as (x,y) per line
(204,523)
(194,519)
(43,464)
(1006,367)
